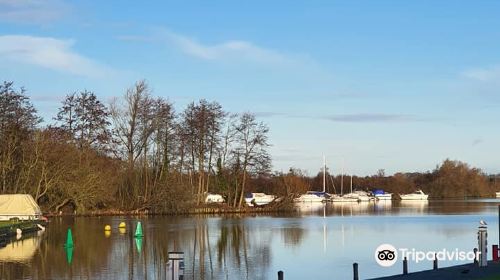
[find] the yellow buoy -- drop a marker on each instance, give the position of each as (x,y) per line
(122,230)
(122,225)
(107,233)
(107,228)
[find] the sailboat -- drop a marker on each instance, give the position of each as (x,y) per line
(315,196)
(361,196)
(348,197)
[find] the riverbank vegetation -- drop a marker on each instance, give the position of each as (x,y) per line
(139,153)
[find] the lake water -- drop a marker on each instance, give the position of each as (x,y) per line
(322,242)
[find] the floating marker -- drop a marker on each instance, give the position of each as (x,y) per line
(69,254)
(107,228)
(122,225)
(138,243)
(69,239)
(138,230)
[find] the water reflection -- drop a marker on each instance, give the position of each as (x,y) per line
(310,207)
(418,206)
(324,238)
(20,250)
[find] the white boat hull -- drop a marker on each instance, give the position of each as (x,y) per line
(259,199)
(387,196)
(309,199)
(414,197)
(345,199)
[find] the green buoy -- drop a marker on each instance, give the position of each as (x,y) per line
(69,254)
(138,230)
(138,243)
(69,239)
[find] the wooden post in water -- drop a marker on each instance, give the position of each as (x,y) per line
(435,266)
(355,271)
(495,253)
(476,261)
(405,266)
(280,275)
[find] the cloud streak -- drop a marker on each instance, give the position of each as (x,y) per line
(32,11)
(50,53)
(351,118)
(483,74)
(226,51)
(372,117)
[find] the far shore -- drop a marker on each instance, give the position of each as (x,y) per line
(210,209)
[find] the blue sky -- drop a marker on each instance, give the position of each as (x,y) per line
(394,85)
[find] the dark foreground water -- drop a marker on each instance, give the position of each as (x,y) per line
(320,243)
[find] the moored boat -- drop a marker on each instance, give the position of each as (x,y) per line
(214,198)
(19,214)
(417,195)
(312,196)
(259,199)
(382,195)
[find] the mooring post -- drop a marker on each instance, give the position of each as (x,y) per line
(405,266)
(280,275)
(175,266)
(482,238)
(476,261)
(494,250)
(355,271)
(435,266)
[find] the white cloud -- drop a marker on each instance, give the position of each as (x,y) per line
(229,50)
(32,11)
(483,74)
(51,53)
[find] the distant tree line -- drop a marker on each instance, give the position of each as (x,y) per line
(138,153)
(450,179)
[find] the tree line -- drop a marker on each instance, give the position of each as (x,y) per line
(450,179)
(137,153)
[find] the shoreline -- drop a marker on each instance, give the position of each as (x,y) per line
(194,211)
(221,209)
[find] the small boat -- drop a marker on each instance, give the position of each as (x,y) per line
(356,196)
(312,196)
(345,198)
(363,196)
(259,199)
(382,195)
(417,195)
(315,196)
(214,198)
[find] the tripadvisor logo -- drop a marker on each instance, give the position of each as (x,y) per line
(386,255)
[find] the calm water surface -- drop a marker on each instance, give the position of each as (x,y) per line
(322,242)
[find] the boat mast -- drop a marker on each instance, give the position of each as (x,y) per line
(342,178)
(351,183)
(324,173)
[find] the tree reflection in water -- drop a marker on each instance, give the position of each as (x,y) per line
(215,247)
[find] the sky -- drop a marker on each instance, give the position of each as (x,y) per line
(393,85)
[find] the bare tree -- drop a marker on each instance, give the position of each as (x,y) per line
(18,120)
(251,151)
(86,118)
